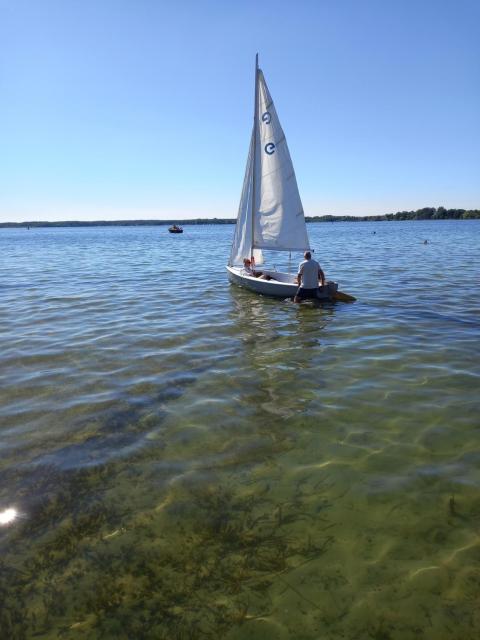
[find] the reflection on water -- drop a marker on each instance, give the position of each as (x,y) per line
(190,460)
(7,516)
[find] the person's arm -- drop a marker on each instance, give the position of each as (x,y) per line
(321,276)
(299,276)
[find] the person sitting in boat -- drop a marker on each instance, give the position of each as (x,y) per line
(309,275)
(247,267)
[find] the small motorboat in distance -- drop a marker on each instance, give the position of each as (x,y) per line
(175,229)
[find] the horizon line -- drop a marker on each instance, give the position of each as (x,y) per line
(426,213)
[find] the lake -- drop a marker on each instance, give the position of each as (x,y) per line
(183,459)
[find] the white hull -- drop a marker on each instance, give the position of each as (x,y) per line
(284,285)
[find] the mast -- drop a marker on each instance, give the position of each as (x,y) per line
(255,122)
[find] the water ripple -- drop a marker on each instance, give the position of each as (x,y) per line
(228,463)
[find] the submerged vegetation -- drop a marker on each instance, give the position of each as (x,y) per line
(139,547)
(194,563)
(237,546)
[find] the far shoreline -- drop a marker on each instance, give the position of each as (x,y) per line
(427,213)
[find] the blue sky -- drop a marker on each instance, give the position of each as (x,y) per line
(118,109)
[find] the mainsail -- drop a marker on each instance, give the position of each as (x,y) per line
(270,207)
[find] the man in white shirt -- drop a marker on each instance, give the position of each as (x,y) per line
(309,275)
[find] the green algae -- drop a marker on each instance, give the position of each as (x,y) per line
(115,549)
(253,543)
(194,566)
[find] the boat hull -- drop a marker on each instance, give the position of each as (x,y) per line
(282,287)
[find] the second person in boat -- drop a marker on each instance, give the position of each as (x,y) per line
(247,267)
(310,275)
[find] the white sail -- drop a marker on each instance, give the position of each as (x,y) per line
(242,239)
(279,218)
(270,206)
(270,216)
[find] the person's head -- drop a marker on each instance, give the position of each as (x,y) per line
(307,255)
(247,262)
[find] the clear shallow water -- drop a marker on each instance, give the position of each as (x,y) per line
(190,460)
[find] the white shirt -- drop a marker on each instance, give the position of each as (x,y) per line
(308,269)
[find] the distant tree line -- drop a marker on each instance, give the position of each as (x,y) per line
(427,213)
(118,223)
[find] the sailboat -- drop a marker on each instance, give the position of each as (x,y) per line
(270,215)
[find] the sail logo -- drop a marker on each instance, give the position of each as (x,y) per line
(266,117)
(269,148)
